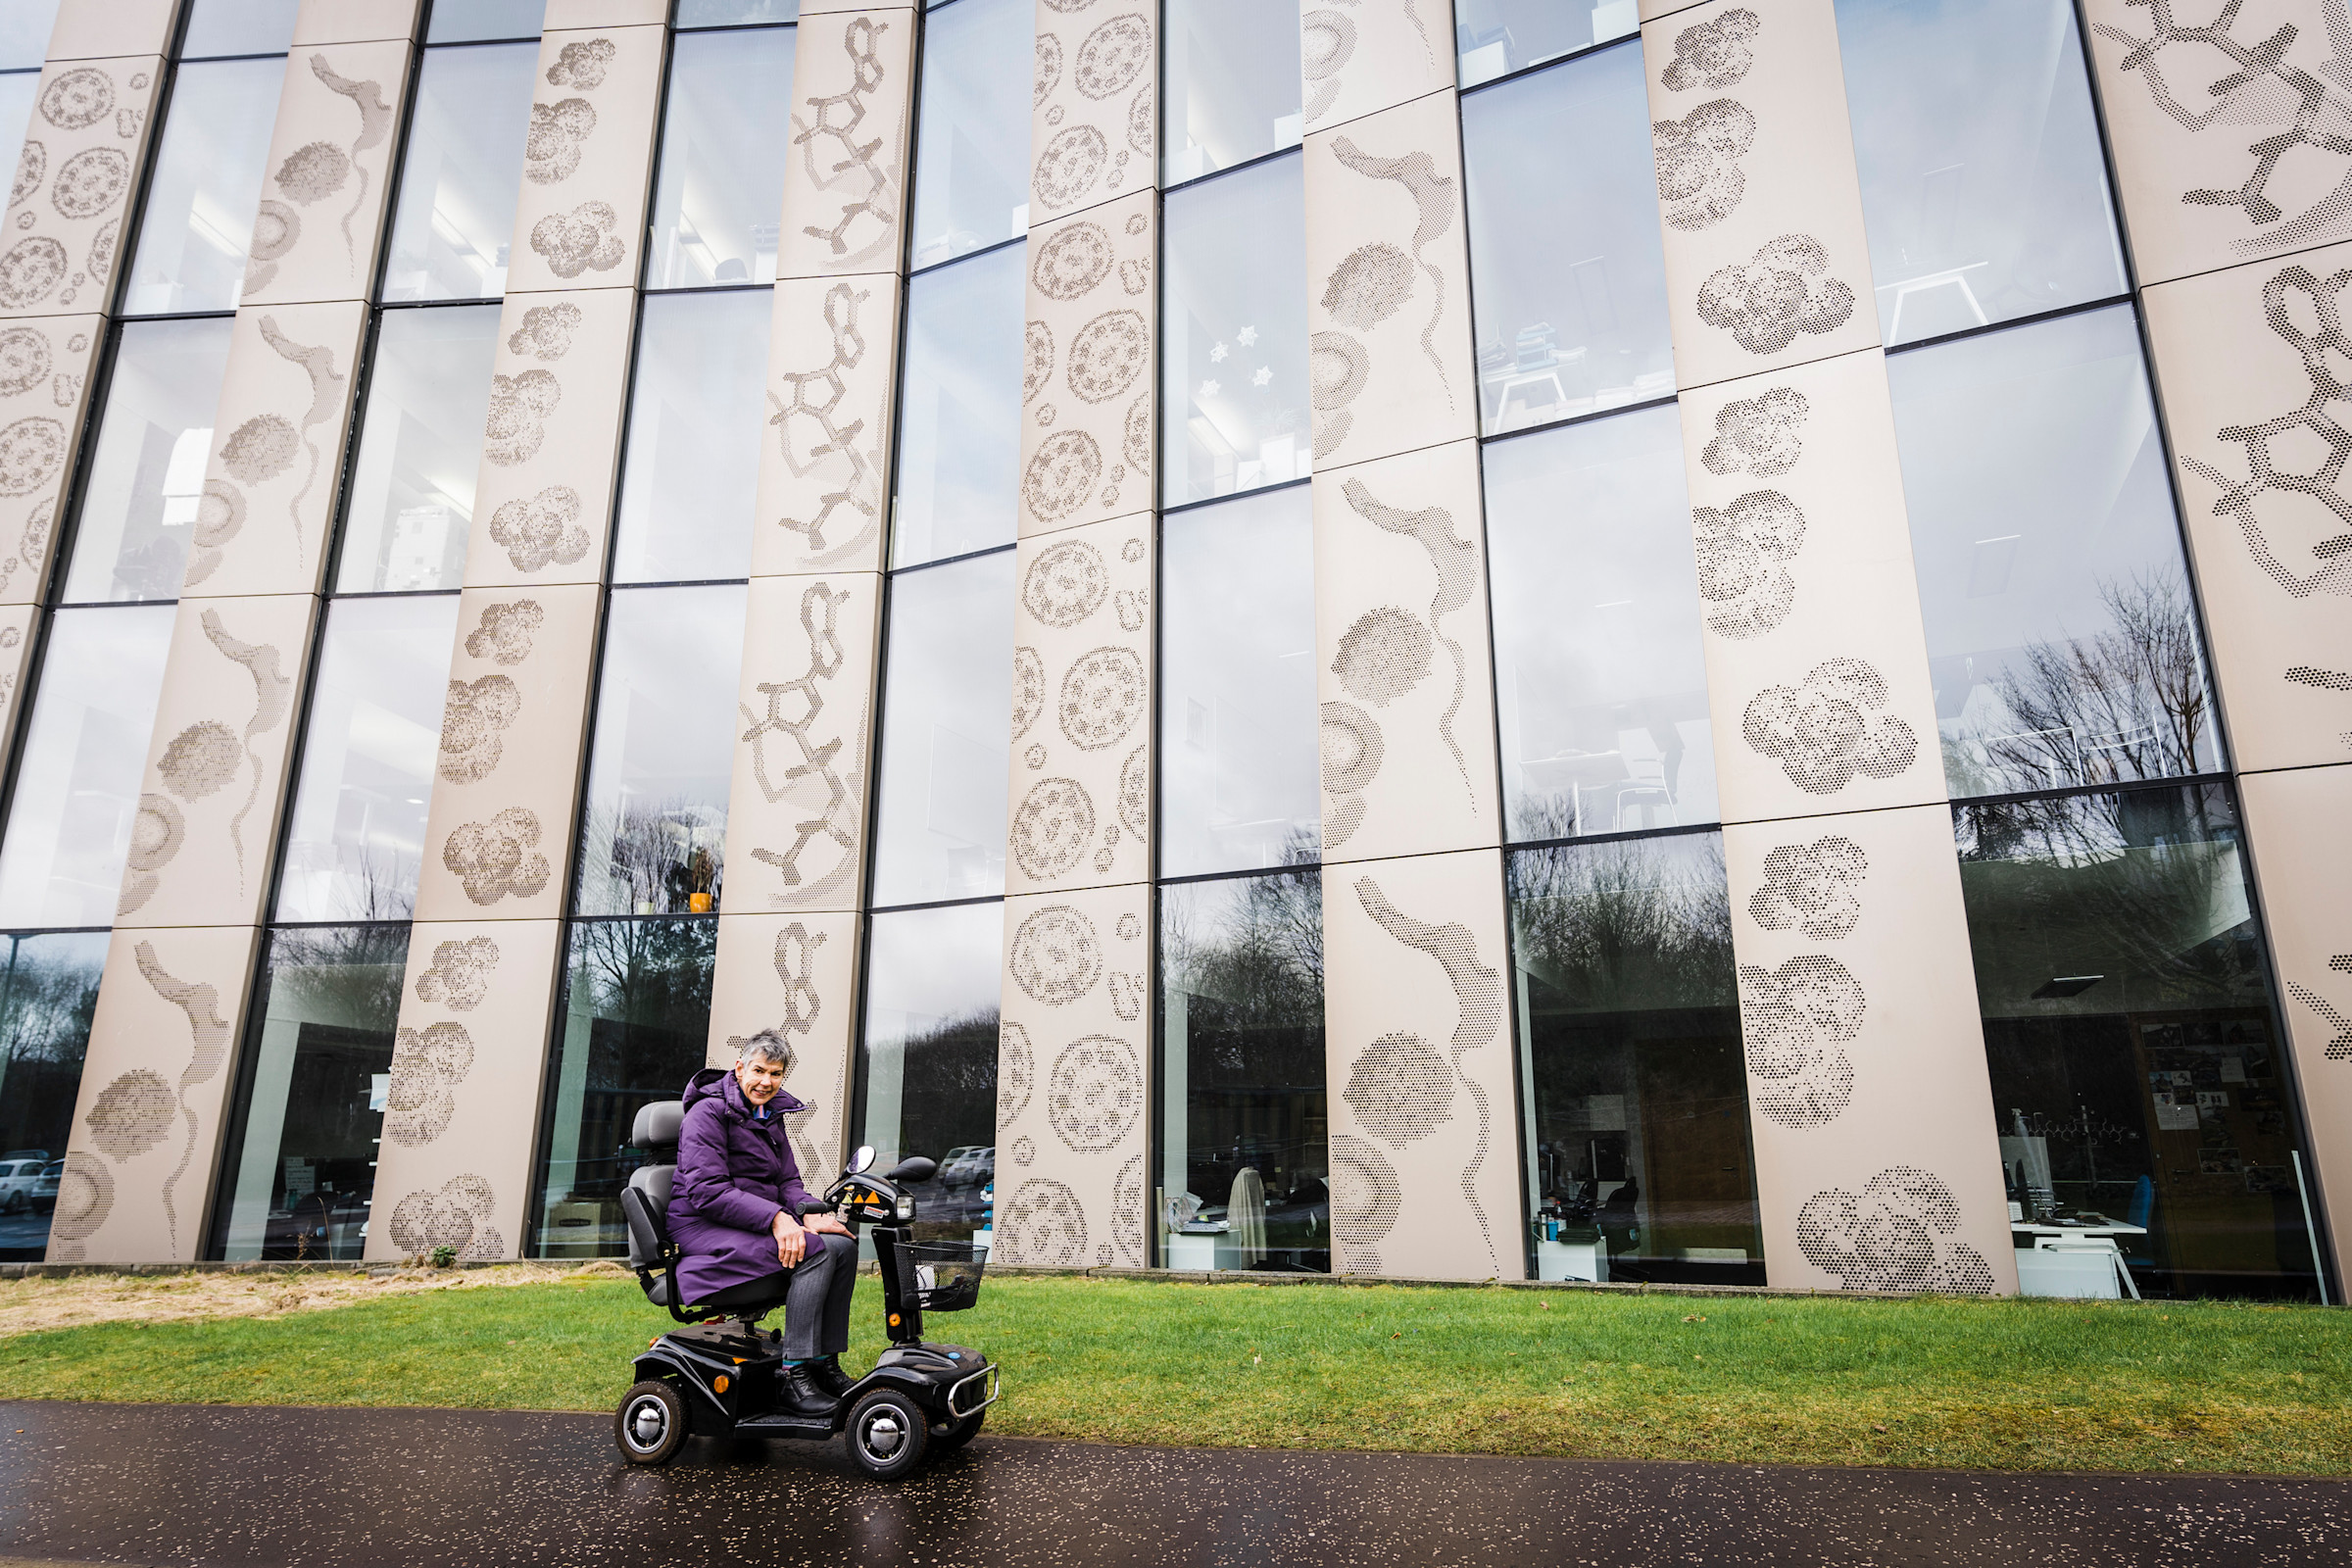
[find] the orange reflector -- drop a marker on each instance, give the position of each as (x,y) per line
(894,1320)
(720,1383)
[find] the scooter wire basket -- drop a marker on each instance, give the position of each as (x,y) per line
(941,1276)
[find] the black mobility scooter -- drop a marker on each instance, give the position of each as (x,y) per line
(719,1377)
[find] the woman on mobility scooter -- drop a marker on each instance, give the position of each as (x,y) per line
(737,1210)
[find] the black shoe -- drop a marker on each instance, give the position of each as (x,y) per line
(803,1394)
(825,1371)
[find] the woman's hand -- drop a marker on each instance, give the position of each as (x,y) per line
(825,1225)
(792,1242)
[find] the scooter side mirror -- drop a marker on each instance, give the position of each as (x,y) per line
(913,1169)
(860,1160)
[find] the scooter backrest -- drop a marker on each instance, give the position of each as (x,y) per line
(645,1205)
(657,1124)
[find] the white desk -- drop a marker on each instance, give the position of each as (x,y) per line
(1572,1260)
(2078,1261)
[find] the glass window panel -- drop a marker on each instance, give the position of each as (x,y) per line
(238,27)
(155,435)
(1638,1165)
(465,21)
(1240,782)
(971,161)
(960,417)
(17,89)
(654,821)
(2138,1072)
(947,712)
(1234,394)
(206,188)
(24,29)
(459,174)
(1240,1009)
(367,756)
(1601,674)
(411,504)
(696,422)
(47,993)
(636,1027)
(1983,185)
(1230,85)
(77,780)
(735,13)
(928,1061)
(2061,634)
(1495,37)
(311,1097)
(1567,270)
(724,139)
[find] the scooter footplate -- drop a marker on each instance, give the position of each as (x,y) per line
(785,1426)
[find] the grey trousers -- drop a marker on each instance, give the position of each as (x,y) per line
(816,1304)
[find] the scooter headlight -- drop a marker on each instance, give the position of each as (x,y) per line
(906,1208)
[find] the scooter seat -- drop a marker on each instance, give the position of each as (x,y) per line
(764,1294)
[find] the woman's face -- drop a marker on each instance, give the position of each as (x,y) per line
(761,1078)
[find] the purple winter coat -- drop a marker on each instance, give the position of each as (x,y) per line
(735,1171)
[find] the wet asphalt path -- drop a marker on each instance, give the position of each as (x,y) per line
(217,1486)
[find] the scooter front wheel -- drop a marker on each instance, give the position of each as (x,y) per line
(888,1435)
(955,1431)
(651,1426)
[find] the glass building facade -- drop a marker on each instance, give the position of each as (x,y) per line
(1310,653)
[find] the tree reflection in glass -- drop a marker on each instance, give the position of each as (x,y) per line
(636,1025)
(2061,635)
(1638,1163)
(1245,1179)
(927,1060)
(2133,1038)
(48,990)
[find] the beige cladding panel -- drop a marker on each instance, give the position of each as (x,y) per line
(797,975)
(1817,666)
(499,832)
(1093,132)
(1425,1164)
(1652,9)
(845,173)
(84,153)
(1082,704)
(2303,857)
(580,219)
(562,13)
(795,808)
(92,29)
(322,21)
(469,1063)
(542,507)
(825,458)
(1766,261)
(276,457)
(1388,285)
(18,624)
(1877,1162)
(321,217)
(1360,56)
(1073,1058)
(146,1131)
(1089,409)
(1403,667)
(216,775)
(2255,369)
(45,367)
(2222,126)
(826,7)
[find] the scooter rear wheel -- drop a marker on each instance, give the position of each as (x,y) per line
(651,1426)
(888,1435)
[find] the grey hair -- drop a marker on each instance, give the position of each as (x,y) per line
(766,1046)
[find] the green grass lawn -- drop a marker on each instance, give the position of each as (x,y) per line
(1998,1384)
